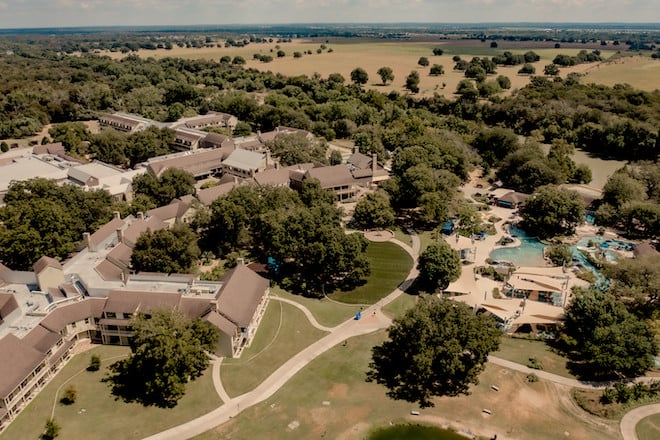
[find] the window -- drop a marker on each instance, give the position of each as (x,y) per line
(110,315)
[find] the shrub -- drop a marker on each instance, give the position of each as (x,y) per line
(69,396)
(94,363)
(535,364)
(531,378)
(496,293)
(52,430)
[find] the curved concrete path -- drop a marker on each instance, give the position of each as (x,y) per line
(275,381)
(305,310)
(632,418)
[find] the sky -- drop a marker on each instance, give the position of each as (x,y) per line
(67,13)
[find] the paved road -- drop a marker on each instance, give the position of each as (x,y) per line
(632,418)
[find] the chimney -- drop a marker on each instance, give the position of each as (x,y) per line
(117,215)
(355,149)
(240,262)
(235,180)
(374,163)
(140,215)
(88,241)
(277,163)
(120,235)
(268,158)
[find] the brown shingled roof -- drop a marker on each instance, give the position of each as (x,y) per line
(58,319)
(333,176)
(240,295)
(44,262)
(106,231)
(41,338)
(133,232)
(124,301)
(24,359)
(226,326)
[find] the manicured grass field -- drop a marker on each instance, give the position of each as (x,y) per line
(96,414)
(389,267)
(520,350)
(283,332)
(330,399)
(400,305)
(649,428)
(327,312)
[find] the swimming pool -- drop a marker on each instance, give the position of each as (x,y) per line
(529,253)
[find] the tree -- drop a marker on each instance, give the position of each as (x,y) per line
(94,363)
(504,82)
(636,282)
(467,90)
(438,348)
(173,183)
(359,76)
(168,350)
(559,255)
(412,81)
(4,147)
(551,70)
(494,144)
(621,188)
(437,51)
(552,211)
(438,266)
(43,218)
(172,250)
(423,61)
(52,430)
(527,69)
(604,339)
(437,69)
(296,148)
(374,211)
(238,60)
(385,74)
(336,157)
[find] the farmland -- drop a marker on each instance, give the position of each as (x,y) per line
(345,55)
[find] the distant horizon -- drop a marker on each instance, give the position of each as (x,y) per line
(563,25)
(38,14)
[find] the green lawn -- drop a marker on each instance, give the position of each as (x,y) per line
(389,267)
(326,312)
(283,332)
(330,398)
(402,235)
(97,415)
(520,350)
(649,428)
(400,305)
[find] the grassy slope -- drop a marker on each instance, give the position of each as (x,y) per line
(103,416)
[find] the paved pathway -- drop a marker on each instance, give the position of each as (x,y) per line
(305,310)
(275,381)
(632,418)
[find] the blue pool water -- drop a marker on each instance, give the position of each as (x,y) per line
(529,253)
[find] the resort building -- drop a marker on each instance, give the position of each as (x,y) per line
(126,122)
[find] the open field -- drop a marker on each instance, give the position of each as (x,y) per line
(283,332)
(402,57)
(341,405)
(639,71)
(649,428)
(521,350)
(389,267)
(97,415)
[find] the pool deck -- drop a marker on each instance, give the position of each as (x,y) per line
(477,291)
